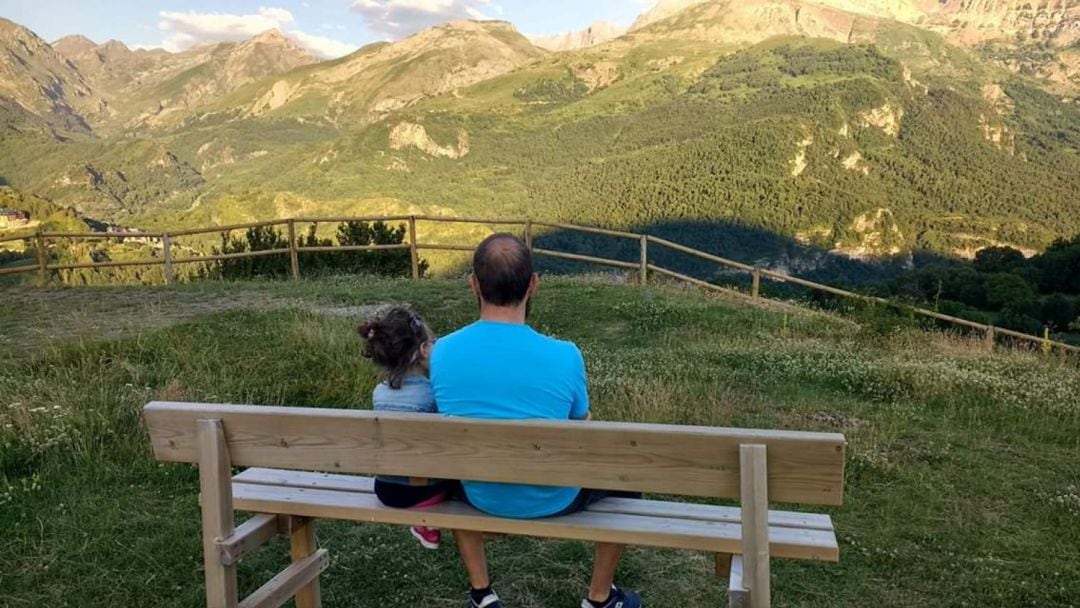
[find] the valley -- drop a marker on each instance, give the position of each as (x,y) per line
(854,134)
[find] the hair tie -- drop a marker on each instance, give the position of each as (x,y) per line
(371,333)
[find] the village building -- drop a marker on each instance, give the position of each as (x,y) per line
(13,218)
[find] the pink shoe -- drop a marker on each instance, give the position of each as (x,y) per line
(428,537)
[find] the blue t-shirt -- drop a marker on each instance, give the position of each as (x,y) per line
(505,371)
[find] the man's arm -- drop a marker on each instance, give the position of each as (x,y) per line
(579,407)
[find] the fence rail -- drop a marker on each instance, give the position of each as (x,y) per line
(642,266)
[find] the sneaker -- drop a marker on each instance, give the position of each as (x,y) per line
(490,601)
(618,599)
(430,538)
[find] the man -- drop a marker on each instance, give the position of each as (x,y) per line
(500,368)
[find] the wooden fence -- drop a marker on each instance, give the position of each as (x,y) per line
(642,267)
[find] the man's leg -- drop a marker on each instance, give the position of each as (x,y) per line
(471,547)
(603,576)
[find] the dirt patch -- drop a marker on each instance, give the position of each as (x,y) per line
(33,319)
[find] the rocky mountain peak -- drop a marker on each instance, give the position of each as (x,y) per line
(662,10)
(597,33)
(72,46)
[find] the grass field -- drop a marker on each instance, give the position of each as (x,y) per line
(963,487)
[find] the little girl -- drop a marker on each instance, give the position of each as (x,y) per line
(399,343)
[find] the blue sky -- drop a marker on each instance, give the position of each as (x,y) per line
(327,27)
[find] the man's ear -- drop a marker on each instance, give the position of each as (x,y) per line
(534,282)
(474,285)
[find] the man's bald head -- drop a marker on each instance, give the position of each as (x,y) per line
(503,269)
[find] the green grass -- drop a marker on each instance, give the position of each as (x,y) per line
(962,480)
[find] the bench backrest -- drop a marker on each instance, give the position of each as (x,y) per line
(661,459)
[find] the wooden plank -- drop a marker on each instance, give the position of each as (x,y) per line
(529,233)
(227,228)
(755,526)
(230,256)
(103,235)
(737,595)
(112,264)
(644,261)
(304,544)
(29,236)
(42,259)
(590,230)
(586,258)
(701,254)
(778,276)
(370,219)
(699,512)
(434,247)
(707,536)
(469,220)
(692,280)
(755,286)
(284,586)
(294,260)
(216,503)
(414,254)
(337,248)
(624,506)
(723,565)
(18,269)
(804,467)
(166,249)
(249,536)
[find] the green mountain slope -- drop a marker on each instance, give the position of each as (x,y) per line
(839,145)
(841,130)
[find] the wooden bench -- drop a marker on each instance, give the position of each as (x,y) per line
(282,446)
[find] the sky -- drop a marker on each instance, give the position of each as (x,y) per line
(327,28)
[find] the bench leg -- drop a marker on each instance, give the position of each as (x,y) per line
(738,596)
(304,543)
(755,524)
(218,523)
(723,565)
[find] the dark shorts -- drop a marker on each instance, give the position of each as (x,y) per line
(401,496)
(585,499)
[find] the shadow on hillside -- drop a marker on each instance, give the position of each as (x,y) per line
(3,181)
(731,240)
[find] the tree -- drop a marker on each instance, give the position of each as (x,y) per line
(259,238)
(1059,267)
(998,259)
(393,262)
(1058,312)
(1007,290)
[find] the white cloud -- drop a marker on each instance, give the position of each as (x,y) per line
(320,46)
(184,30)
(397,18)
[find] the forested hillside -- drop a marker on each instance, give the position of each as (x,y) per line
(847,141)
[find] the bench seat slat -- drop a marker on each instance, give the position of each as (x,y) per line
(804,468)
(715,537)
(650,508)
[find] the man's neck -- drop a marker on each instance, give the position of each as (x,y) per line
(503,314)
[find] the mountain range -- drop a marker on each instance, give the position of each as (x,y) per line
(864,127)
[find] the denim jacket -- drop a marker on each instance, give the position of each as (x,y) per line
(415,397)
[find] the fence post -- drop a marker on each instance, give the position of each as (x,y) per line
(755,288)
(294,259)
(991,338)
(42,258)
(644,260)
(166,245)
(414,254)
(528,233)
